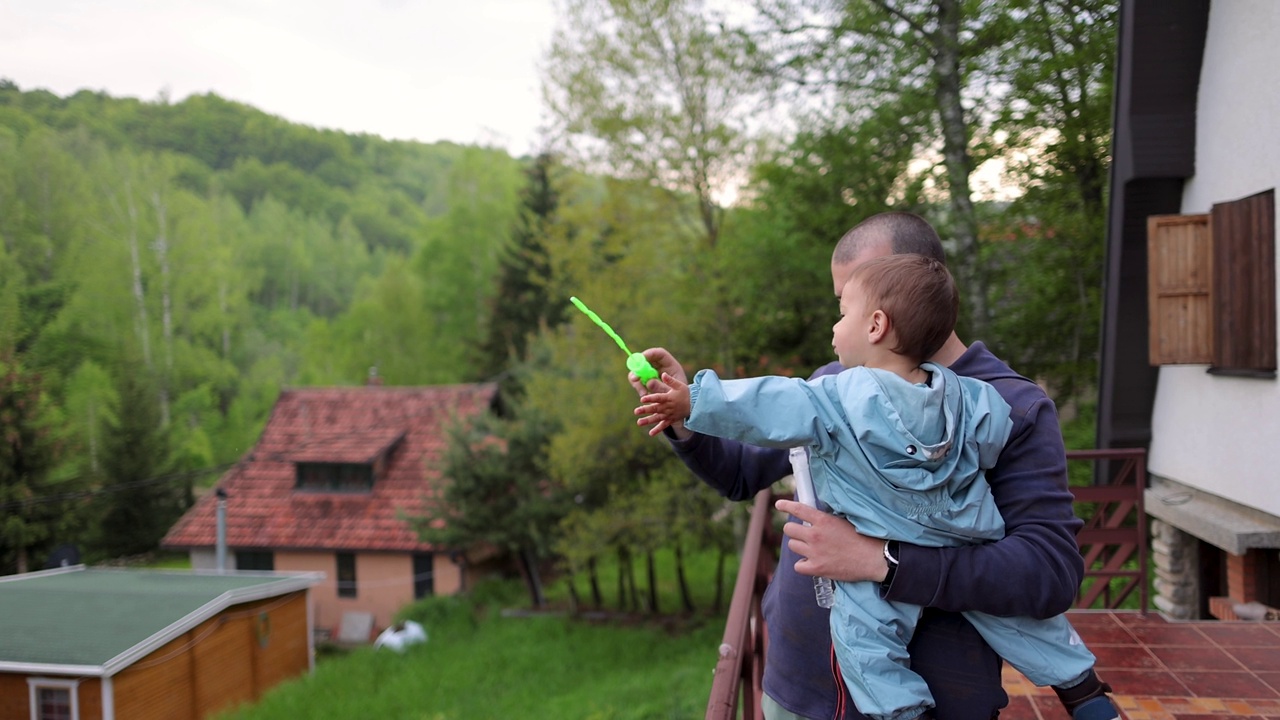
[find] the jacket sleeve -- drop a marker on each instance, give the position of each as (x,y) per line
(1038,554)
(769,411)
(736,470)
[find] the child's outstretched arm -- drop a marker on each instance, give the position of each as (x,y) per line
(662,409)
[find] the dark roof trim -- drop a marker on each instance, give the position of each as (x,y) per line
(1160,50)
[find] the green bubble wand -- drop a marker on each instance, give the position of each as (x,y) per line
(636,362)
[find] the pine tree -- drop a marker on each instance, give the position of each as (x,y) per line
(521,305)
(138,502)
(30,515)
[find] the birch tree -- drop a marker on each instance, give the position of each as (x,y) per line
(655,92)
(1048,291)
(903,53)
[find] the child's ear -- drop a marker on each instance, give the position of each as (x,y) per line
(878,328)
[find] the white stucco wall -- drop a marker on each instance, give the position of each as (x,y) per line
(1219,434)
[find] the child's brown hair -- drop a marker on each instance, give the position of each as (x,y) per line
(918,295)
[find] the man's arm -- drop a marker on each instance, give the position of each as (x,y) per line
(735,470)
(1038,555)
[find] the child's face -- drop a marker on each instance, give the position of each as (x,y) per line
(850,335)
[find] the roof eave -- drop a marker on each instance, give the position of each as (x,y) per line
(51,669)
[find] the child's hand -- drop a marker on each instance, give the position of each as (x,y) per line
(663,409)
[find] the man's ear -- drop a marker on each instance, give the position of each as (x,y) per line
(878,328)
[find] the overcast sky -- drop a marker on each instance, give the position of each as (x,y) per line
(428,70)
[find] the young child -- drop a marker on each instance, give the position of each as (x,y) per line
(899,446)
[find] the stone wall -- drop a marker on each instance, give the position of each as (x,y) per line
(1176,556)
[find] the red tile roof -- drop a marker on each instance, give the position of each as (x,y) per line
(340,425)
(345,447)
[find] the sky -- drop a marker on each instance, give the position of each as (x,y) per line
(428,70)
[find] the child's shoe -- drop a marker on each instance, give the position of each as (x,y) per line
(1099,708)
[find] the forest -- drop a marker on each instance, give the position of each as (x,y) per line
(167,267)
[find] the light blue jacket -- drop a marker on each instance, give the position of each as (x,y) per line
(894,437)
(900,461)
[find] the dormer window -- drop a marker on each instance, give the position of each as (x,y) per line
(335,477)
(347,462)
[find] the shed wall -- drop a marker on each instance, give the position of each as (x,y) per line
(15,697)
(230,659)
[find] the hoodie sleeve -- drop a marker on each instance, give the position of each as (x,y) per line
(1038,555)
(737,471)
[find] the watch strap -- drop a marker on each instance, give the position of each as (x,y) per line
(891,560)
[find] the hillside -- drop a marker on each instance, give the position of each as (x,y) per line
(219,254)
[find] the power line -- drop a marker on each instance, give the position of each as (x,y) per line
(114,487)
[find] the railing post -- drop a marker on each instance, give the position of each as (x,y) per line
(741,660)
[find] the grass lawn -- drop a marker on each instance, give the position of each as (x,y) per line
(479,663)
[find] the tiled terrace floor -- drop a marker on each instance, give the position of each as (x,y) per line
(1169,670)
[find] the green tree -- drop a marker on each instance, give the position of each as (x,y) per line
(919,54)
(459,259)
(521,304)
(34,511)
(806,194)
(654,92)
(386,331)
(1049,278)
(495,492)
(138,501)
(91,401)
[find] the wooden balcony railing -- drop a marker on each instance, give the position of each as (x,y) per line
(1113,542)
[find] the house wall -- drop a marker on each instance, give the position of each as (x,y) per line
(384,584)
(1216,433)
(15,696)
(202,559)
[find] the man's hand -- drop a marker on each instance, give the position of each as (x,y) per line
(662,361)
(831,547)
(666,364)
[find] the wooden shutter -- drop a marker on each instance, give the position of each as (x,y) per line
(1244,263)
(1180,289)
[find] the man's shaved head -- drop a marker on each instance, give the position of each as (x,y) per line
(902,232)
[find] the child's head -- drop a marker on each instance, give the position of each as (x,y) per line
(917,301)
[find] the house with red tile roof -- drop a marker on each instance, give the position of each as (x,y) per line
(328,488)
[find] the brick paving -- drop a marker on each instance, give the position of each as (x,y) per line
(1169,670)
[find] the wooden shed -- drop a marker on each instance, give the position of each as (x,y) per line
(104,644)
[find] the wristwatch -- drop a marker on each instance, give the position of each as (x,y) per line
(890,559)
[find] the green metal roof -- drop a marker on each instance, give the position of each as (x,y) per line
(108,618)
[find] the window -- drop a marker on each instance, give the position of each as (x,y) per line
(346,575)
(335,477)
(255,560)
(423,575)
(54,699)
(1212,288)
